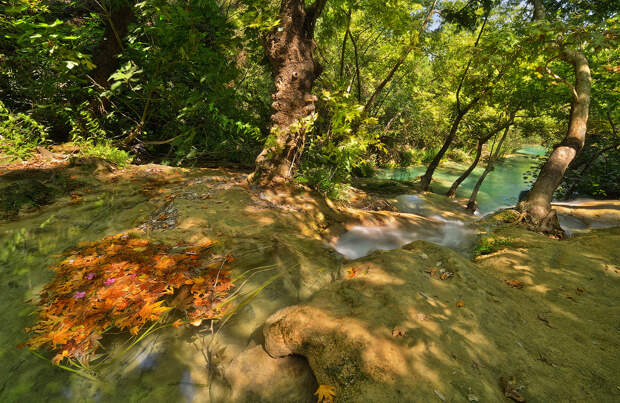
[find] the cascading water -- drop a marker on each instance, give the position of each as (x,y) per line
(500,190)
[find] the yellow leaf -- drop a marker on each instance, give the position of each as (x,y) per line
(325,393)
(352,272)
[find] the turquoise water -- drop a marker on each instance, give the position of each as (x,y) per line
(500,189)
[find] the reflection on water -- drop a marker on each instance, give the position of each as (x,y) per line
(27,248)
(500,189)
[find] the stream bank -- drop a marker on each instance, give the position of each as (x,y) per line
(384,325)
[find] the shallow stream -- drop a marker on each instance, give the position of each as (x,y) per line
(501,189)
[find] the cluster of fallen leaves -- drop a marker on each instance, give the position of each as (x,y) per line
(443,274)
(125,282)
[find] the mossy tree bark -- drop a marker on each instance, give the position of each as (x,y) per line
(290,50)
(537,207)
(538,204)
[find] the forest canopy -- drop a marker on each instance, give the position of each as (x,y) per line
(315,92)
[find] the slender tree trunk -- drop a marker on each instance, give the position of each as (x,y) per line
(452,192)
(357,67)
(471,204)
(425,181)
(412,44)
(290,49)
(481,142)
(538,204)
(344,45)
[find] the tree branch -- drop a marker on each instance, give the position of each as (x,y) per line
(413,42)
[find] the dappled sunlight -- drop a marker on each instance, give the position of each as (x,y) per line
(390,319)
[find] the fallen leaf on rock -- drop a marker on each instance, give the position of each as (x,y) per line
(398,331)
(352,272)
(514,283)
(446,275)
(460,304)
(325,393)
(509,387)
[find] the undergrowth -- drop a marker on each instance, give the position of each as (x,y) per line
(20,134)
(489,244)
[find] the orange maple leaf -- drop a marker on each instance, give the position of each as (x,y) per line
(325,393)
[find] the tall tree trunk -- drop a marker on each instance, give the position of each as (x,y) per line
(481,142)
(344,44)
(452,192)
(537,207)
(118,18)
(290,49)
(425,181)
(538,204)
(357,67)
(471,204)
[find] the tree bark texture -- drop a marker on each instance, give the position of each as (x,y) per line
(425,182)
(290,50)
(452,192)
(538,204)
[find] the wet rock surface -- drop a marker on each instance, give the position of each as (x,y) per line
(394,329)
(254,376)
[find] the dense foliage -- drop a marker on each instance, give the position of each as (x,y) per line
(189,81)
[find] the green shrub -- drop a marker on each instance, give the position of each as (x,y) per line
(458,155)
(364,169)
(407,158)
(322,180)
(428,154)
(92,140)
(19,134)
(489,244)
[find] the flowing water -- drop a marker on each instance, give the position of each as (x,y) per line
(500,189)
(30,245)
